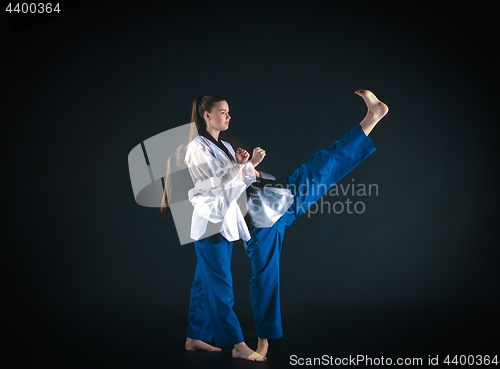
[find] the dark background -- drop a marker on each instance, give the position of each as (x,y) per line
(94,280)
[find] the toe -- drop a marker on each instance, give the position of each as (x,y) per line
(256,357)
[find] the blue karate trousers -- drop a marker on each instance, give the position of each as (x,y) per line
(211,306)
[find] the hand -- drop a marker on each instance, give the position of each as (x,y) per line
(258,156)
(242,155)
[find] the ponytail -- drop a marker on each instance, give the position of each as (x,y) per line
(200,105)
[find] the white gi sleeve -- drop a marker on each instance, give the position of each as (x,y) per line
(266,175)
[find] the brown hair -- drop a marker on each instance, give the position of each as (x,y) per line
(201,104)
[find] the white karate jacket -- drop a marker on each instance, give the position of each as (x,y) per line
(219,182)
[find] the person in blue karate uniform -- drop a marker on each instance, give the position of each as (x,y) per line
(220,176)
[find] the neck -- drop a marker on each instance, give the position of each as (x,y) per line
(214,133)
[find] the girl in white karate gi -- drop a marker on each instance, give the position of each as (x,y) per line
(220,177)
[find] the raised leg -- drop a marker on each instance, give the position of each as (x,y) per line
(324,169)
(308,183)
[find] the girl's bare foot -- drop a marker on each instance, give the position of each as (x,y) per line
(242,351)
(198,345)
(375,107)
(376,110)
(262,346)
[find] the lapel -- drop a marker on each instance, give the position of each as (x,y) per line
(219,144)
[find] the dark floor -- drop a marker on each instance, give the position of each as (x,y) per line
(157,341)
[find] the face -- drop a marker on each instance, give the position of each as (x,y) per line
(219,117)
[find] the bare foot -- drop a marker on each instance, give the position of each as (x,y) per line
(198,345)
(242,351)
(262,346)
(376,108)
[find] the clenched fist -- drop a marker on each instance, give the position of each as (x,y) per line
(242,155)
(258,156)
